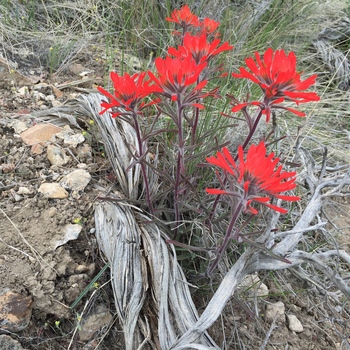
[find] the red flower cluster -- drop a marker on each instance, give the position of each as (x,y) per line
(209,26)
(199,48)
(277,76)
(129,91)
(256,177)
(175,74)
(186,19)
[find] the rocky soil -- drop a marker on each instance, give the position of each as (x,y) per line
(50,177)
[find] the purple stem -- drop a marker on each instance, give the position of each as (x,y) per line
(227,238)
(180,167)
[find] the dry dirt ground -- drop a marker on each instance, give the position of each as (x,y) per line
(54,277)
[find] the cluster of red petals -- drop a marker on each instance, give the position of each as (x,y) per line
(199,48)
(129,91)
(256,176)
(184,17)
(209,26)
(175,74)
(277,76)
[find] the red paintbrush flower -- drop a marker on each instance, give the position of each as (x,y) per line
(277,76)
(199,47)
(254,179)
(175,74)
(209,26)
(184,17)
(129,91)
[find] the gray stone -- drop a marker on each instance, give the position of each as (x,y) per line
(77,180)
(56,155)
(253,286)
(7,343)
(71,232)
(294,325)
(274,311)
(18,125)
(95,321)
(84,152)
(74,140)
(24,190)
(23,91)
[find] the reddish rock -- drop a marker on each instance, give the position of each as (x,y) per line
(39,133)
(15,311)
(37,149)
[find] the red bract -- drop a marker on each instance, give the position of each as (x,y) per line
(175,74)
(199,47)
(129,91)
(277,76)
(254,179)
(184,17)
(209,26)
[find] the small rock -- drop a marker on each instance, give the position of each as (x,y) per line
(23,91)
(56,155)
(53,190)
(74,140)
(252,285)
(52,212)
(294,324)
(7,343)
(50,98)
(24,190)
(56,103)
(39,133)
(84,152)
(39,96)
(82,166)
(58,93)
(8,167)
(37,149)
(91,269)
(81,269)
(76,68)
(18,198)
(98,319)
(19,126)
(77,180)
(15,311)
(274,311)
(71,232)
(25,171)
(42,87)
